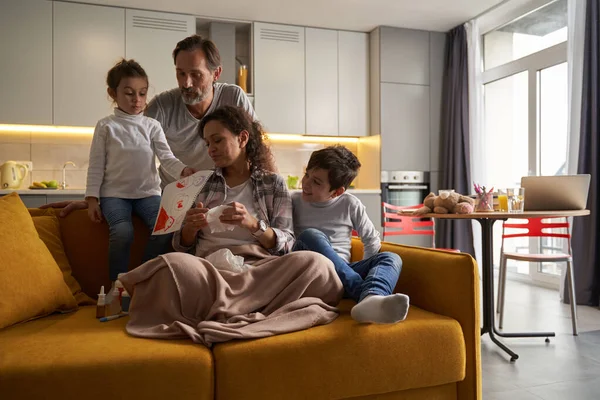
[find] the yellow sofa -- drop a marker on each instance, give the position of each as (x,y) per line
(434,354)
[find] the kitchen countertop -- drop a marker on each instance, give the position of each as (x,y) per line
(59,192)
(66,192)
(353,191)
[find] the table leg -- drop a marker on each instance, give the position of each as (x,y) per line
(487,248)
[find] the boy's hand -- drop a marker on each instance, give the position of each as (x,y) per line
(236,214)
(94,211)
(194,221)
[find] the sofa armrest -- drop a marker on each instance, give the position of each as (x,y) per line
(445,283)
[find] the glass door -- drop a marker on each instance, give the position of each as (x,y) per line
(553,118)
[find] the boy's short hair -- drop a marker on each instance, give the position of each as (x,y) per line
(341,165)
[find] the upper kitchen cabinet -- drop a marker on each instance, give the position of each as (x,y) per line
(150,40)
(88,41)
(404,56)
(404,127)
(26,62)
(279,84)
(321,82)
(353,83)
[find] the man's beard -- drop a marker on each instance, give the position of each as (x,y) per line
(193,96)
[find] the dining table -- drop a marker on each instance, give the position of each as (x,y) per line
(487,220)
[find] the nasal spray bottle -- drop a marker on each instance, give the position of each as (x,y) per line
(124,297)
(101,305)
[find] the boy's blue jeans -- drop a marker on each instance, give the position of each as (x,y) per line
(118,215)
(377,274)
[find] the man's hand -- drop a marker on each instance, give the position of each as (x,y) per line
(236,214)
(67,206)
(94,211)
(194,221)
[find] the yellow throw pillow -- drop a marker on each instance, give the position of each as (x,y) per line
(31,283)
(48,227)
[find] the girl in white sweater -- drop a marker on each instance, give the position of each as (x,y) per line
(122,176)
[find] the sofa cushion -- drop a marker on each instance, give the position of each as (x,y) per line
(48,227)
(31,283)
(86,244)
(344,359)
(76,356)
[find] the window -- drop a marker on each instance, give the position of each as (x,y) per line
(553,116)
(526,112)
(533,32)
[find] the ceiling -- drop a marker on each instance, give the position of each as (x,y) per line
(356,15)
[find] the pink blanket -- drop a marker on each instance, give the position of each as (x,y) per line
(179,295)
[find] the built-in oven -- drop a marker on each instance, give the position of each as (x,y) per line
(405,188)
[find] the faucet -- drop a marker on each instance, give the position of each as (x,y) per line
(63,185)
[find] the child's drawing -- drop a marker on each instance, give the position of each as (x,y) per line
(177,198)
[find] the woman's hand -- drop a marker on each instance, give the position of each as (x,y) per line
(94,211)
(236,214)
(194,221)
(187,171)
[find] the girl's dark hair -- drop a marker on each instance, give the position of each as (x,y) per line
(237,120)
(195,42)
(340,163)
(124,69)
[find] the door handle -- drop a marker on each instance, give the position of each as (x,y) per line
(407,187)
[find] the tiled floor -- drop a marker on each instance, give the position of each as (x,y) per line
(568,368)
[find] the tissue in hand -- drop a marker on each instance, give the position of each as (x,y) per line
(214,223)
(224,259)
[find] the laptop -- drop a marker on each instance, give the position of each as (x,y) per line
(559,192)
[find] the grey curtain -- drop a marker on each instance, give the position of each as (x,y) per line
(454,139)
(585,229)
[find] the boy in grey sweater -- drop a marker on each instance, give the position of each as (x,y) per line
(324,218)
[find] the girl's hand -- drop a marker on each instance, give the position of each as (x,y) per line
(194,221)
(187,171)
(236,214)
(94,211)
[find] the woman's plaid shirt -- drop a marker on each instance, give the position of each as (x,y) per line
(271,200)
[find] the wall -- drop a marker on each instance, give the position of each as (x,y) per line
(49,152)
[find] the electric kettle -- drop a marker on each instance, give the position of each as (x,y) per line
(12,175)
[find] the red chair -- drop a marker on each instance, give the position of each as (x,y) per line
(395,223)
(536,227)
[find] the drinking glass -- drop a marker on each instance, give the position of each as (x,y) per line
(502,201)
(516,200)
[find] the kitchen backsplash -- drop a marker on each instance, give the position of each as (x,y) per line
(49,152)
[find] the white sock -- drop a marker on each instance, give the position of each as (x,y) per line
(381,309)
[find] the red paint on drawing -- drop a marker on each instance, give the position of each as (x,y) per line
(161,221)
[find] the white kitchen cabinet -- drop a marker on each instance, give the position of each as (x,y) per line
(437,49)
(26,62)
(405,127)
(404,56)
(279,84)
(87,41)
(372,202)
(353,83)
(150,40)
(321,82)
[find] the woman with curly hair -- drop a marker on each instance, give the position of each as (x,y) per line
(183,294)
(245,179)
